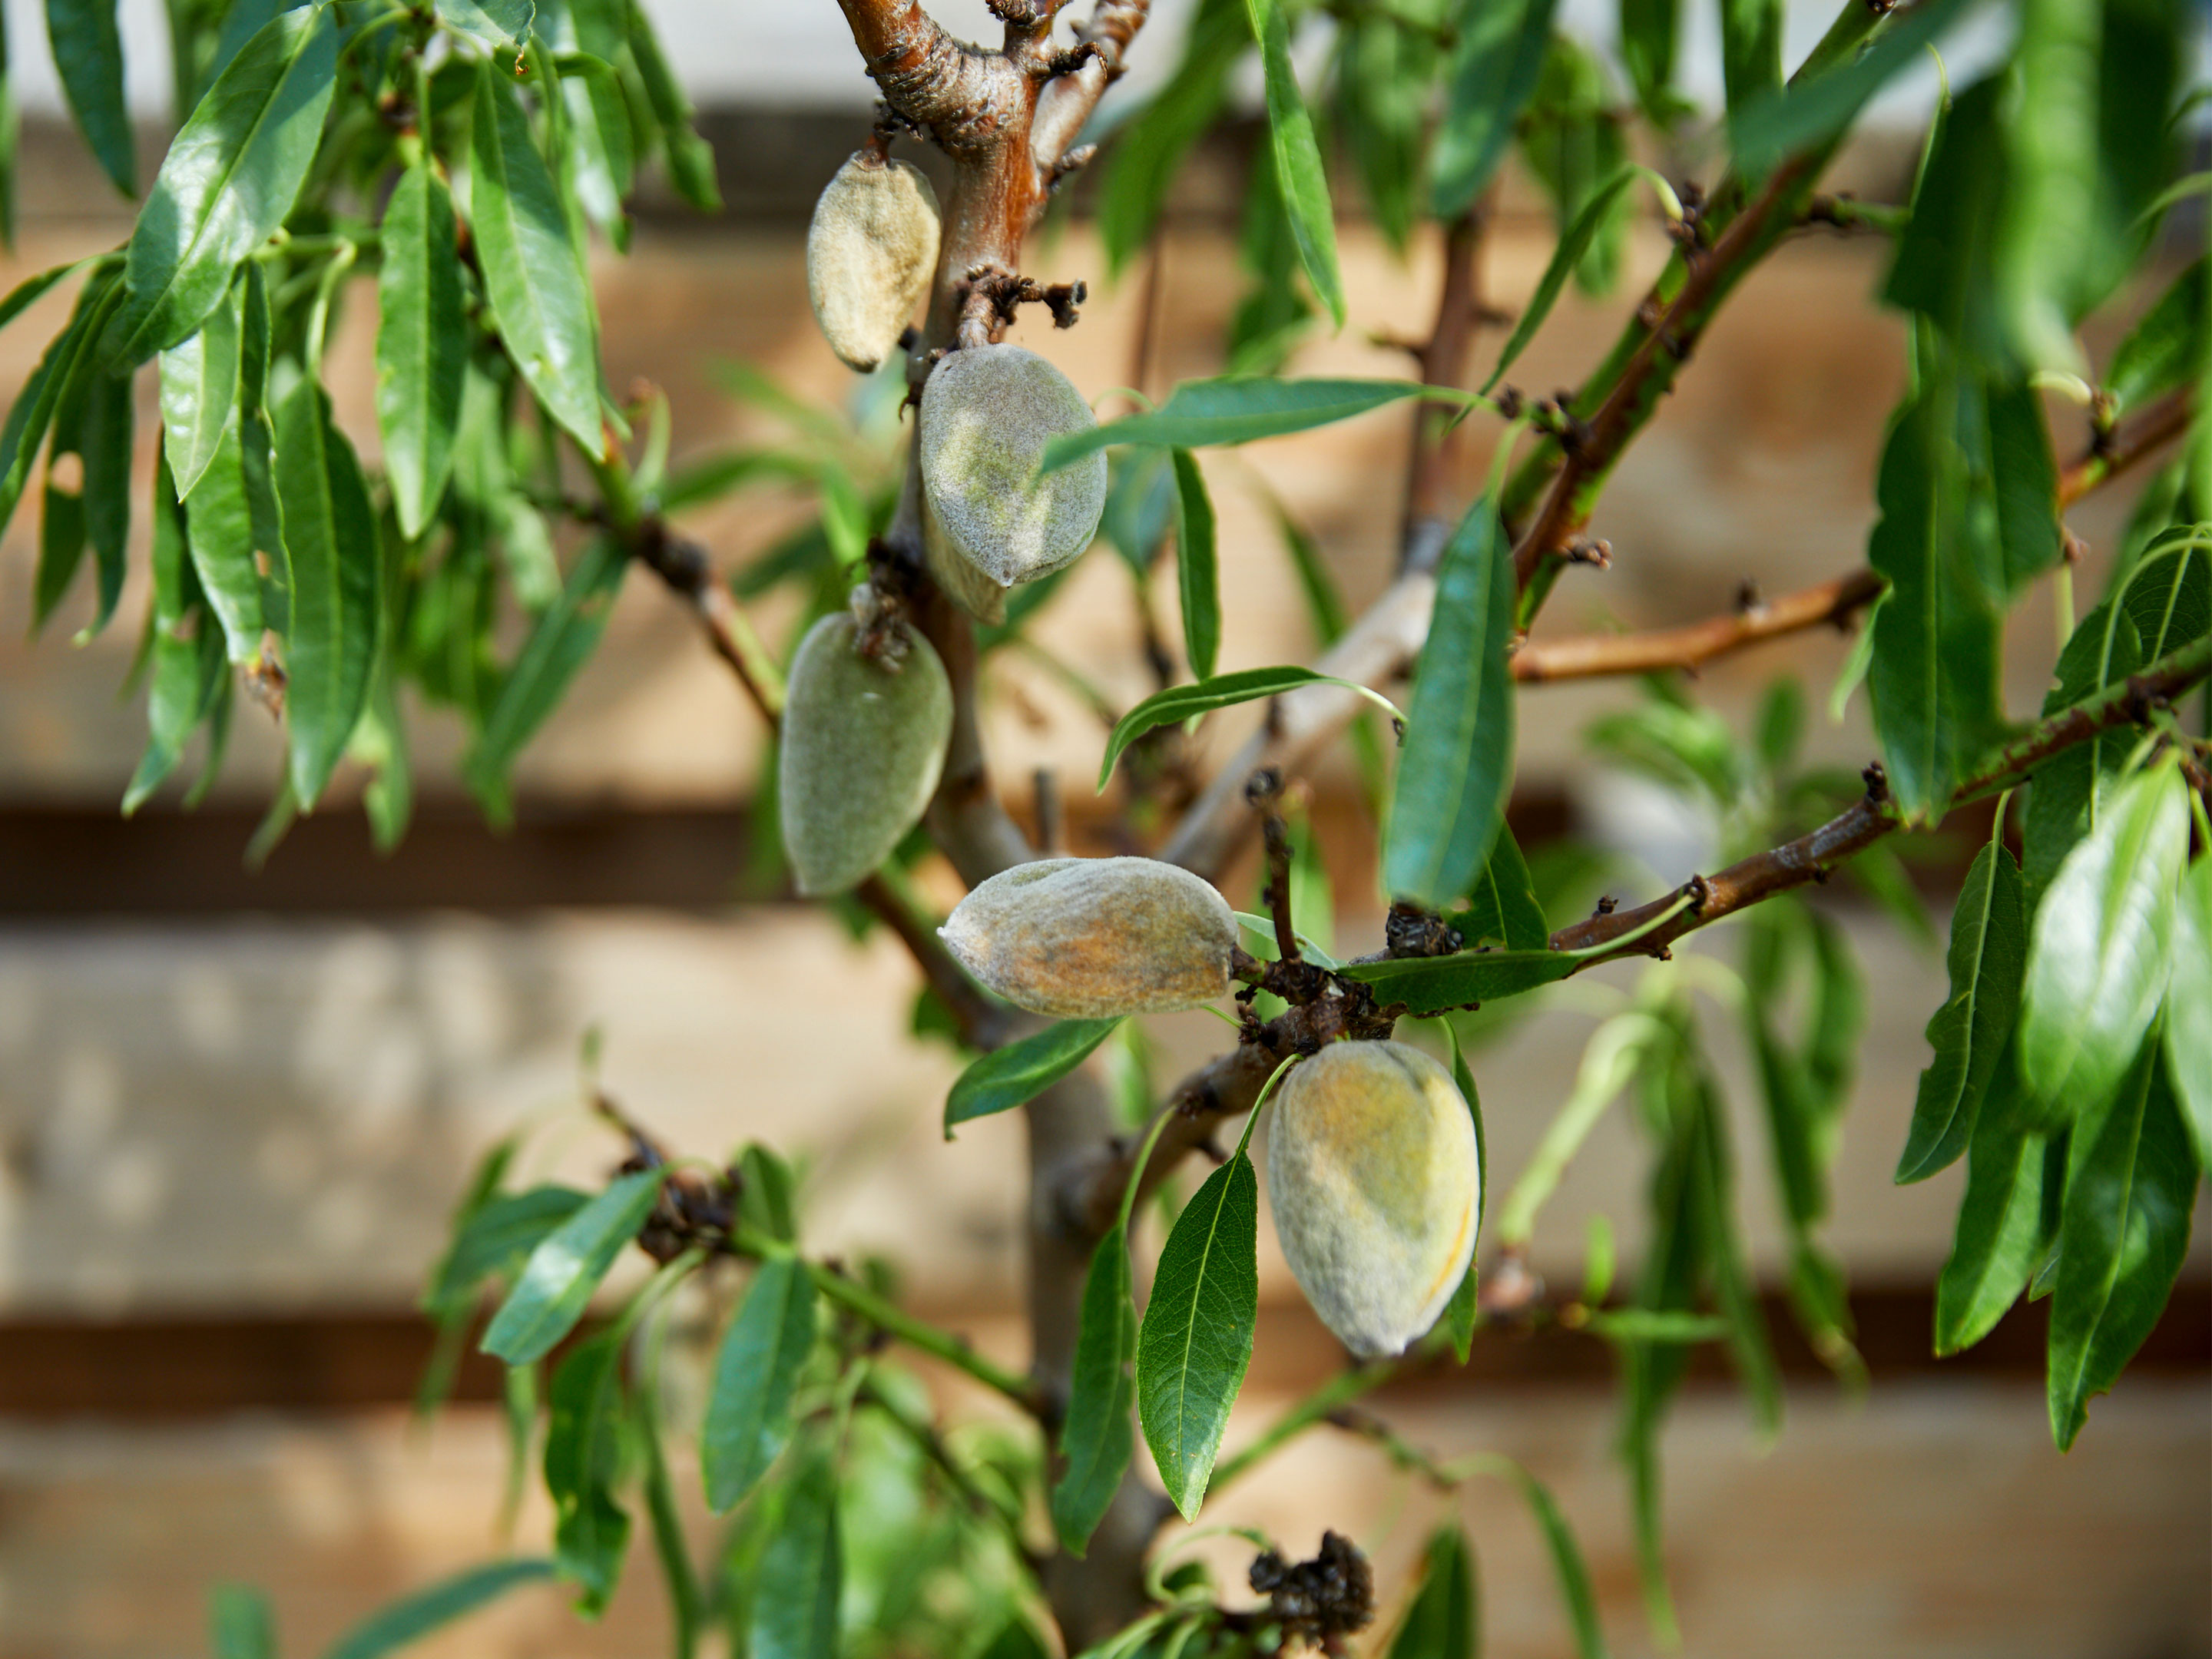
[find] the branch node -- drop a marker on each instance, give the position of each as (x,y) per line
(1877,783)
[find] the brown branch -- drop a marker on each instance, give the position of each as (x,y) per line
(2115,452)
(1438,435)
(1688,647)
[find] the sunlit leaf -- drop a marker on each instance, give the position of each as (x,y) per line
(566,1268)
(422,345)
(1022,1070)
(88,49)
(1240,410)
(1298,172)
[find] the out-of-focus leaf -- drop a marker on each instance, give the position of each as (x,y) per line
(1567,1562)
(105,410)
(1442,1622)
(1568,253)
(414,1617)
(1649,31)
(691,158)
(2189,1007)
(749,1414)
(769,1201)
(583,1462)
(239,1622)
(32,411)
(1017,1073)
(1969,1032)
(1298,172)
(2164,348)
(1238,409)
(1457,763)
(566,1266)
(1384,69)
(1197,567)
(1497,52)
(187,651)
(1148,149)
(1272,318)
(422,345)
(1803,116)
(1095,1438)
(229,179)
(501,26)
(1182,703)
(1196,1338)
(802,1570)
(88,56)
(495,1238)
(602,163)
(1750,49)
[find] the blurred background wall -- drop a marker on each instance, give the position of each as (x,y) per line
(235,1107)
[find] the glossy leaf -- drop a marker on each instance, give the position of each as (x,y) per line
(412,1618)
(2189,1007)
(803,1569)
(1568,253)
(2130,1185)
(2099,950)
(1094,1436)
(1502,909)
(601,157)
(1813,111)
(2001,1233)
(88,49)
(199,391)
(1969,1032)
(422,345)
(1021,1071)
(1496,56)
(583,1461)
(531,272)
(501,26)
(334,573)
(230,178)
(106,443)
(748,1418)
(566,1266)
(1433,985)
(1195,1340)
(1457,763)
(496,1238)
(2164,348)
(1298,171)
(1197,567)
(1442,1623)
(1181,702)
(563,640)
(1240,410)
(221,530)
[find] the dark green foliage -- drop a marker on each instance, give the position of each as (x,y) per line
(1023,1069)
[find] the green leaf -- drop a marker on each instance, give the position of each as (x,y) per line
(200,391)
(414,1617)
(422,345)
(2131,1184)
(221,532)
(1969,1032)
(503,26)
(748,1418)
(560,643)
(601,158)
(229,179)
(88,57)
(1503,907)
(1239,410)
(566,1266)
(34,407)
(1196,1338)
(2189,1007)
(334,573)
(1567,1562)
(1298,171)
(1197,569)
(2164,348)
(1808,114)
(1020,1072)
(1384,70)
(1457,762)
(1656,1325)
(240,1624)
(1431,985)
(187,653)
(691,159)
(1750,49)
(1465,1307)
(767,1201)
(1094,1435)
(2001,1232)
(1442,1622)
(583,1461)
(802,1570)
(2099,950)
(1497,55)
(105,410)
(496,1238)
(1148,149)
(2013,467)
(531,272)
(1565,256)
(1182,703)
(1942,268)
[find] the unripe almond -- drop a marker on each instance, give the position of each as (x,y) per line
(864,741)
(1091,938)
(979,595)
(1375,1184)
(987,413)
(870,252)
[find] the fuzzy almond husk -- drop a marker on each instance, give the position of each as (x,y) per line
(1092,939)
(1376,1187)
(870,252)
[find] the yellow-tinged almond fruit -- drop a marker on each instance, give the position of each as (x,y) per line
(864,740)
(1090,939)
(1375,1185)
(870,252)
(987,413)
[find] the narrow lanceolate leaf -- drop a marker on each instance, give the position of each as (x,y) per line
(566,1268)
(497,1236)
(1457,763)
(2000,1232)
(531,268)
(1196,1338)
(199,391)
(219,527)
(88,57)
(412,1618)
(1751,49)
(2189,1007)
(1989,955)
(501,25)
(107,443)
(1148,149)
(1499,52)
(1442,1623)
(1564,258)
(1197,567)
(583,1461)
(1809,114)
(1502,908)
(334,571)
(1298,171)
(749,1414)
(1017,1074)
(1431,985)
(1239,409)
(1094,1437)
(601,157)
(186,652)
(691,159)
(32,411)
(2131,1182)
(794,1612)
(240,1624)
(2163,350)
(2098,955)
(564,638)
(1181,702)
(231,177)
(420,345)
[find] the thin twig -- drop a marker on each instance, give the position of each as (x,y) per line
(2117,450)
(1830,603)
